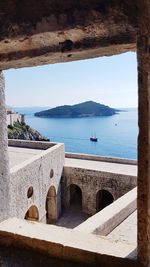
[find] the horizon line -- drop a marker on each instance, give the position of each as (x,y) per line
(62,105)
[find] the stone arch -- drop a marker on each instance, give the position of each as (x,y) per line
(103,199)
(32,214)
(51,205)
(75,196)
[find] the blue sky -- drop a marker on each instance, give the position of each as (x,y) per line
(107,80)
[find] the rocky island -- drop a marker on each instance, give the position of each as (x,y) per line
(86,109)
(24,132)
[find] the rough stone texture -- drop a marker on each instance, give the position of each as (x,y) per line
(36,33)
(91,181)
(35,172)
(4,160)
(143,46)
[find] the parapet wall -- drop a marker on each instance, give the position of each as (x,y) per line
(100,158)
(66,244)
(30,144)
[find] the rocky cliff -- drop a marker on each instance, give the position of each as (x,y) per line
(24,132)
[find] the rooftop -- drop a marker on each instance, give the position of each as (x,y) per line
(18,155)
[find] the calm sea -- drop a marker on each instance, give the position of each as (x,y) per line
(117,135)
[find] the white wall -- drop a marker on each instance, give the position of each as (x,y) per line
(35,172)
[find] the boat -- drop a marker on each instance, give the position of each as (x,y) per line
(93,139)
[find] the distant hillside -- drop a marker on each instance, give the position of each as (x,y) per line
(86,109)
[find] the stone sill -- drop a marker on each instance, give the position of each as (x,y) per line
(66,244)
(106,220)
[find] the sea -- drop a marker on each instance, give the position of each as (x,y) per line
(117,134)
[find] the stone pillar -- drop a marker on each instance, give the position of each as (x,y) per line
(88,202)
(4,161)
(143,55)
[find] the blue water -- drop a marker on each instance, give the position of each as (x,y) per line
(117,135)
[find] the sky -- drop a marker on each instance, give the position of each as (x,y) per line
(107,80)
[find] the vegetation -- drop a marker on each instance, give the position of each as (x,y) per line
(86,109)
(24,132)
(16,126)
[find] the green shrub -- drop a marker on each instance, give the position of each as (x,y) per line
(27,127)
(10,127)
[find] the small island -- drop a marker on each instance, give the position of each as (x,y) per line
(86,109)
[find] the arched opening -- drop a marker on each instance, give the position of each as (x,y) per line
(103,199)
(32,214)
(51,206)
(75,197)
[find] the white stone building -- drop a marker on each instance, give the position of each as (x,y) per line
(13,117)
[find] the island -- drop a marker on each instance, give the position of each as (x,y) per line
(86,109)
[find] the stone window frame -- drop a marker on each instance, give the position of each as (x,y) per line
(143,200)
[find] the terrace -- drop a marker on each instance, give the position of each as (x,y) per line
(24,154)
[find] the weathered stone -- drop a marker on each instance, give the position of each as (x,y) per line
(91,181)
(4,162)
(38,33)
(35,172)
(144,150)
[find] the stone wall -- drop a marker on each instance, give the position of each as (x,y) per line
(4,160)
(41,172)
(90,182)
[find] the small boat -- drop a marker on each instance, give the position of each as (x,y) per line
(93,139)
